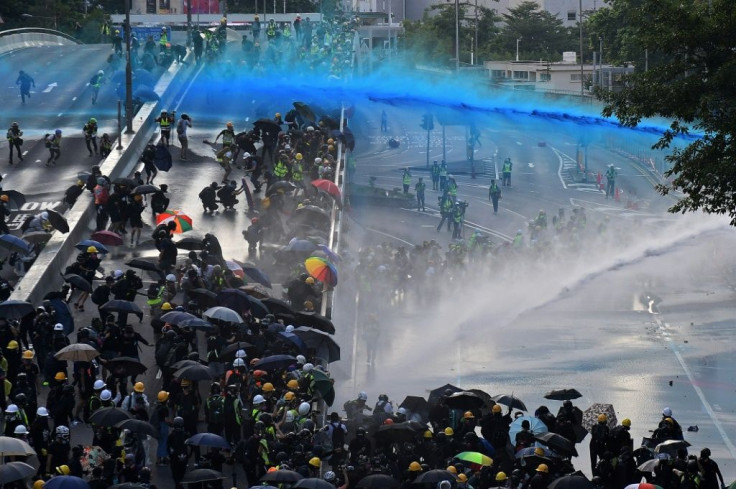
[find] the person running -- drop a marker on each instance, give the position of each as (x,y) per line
(494,193)
(25,82)
(224,156)
(15,141)
(53,143)
(90,135)
(184,123)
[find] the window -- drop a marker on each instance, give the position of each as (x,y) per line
(498,73)
(575,77)
(521,75)
(545,77)
(572,15)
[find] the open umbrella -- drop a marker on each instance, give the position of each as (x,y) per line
(258,291)
(563,394)
(464,400)
(671,446)
(145,94)
(277,306)
(235,299)
(86,243)
(77,352)
(142,264)
(223,314)
(536,426)
(128,364)
(311,215)
(590,415)
(476,458)
(13,243)
(572,481)
(301,245)
(323,385)
(109,416)
(282,476)
(235,268)
(201,475)
(108,238)
(190,243)
(556,442)
(35,237)
(66,482)
(651,465)
(208,440)
(145,189)
(117,305)
(322,270)
(267,126)
(15,447)
(328,186)
(58,221)
(183,222)
(15,471)
(379,481)
(528,451)
(15,199)
(321,342)
(176,317)
(313,483)
(329,122)
(305,111)
(435,477)
(436,394)
(406,431)
(125,182)
(15,309)
(194,372)
(510,401)
(643,485)
(228,353)
(162,160)
(257,275)
(314,320)
(294,340)
(197,323)
(275,362)
(138,426)
(281,185)
(78,282)
(416,405)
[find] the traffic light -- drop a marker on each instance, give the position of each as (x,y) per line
(427,122)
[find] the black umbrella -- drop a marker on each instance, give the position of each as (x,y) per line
(277,306)
(321,342)
(196,323)
(280,185)
(436,394)
(162,160)
(125,182)
(145,189)
(311,214)
(15,309)
(130,365)
(36,237)
(256,275)
(15,199)
(234,299)
(117,305)
(138,426)
(378,481)
(282,476)
(556,442)
(194,372)
(305,111)
(572,481)
(205,298)
(228,353)
(464,400)
(190,243)
(487,399)
(314,320)
(434,477)
(329,122)
(275,362)
(510,401)
(58,221)
(15,471)
(145,265)
(399,432)
(416,404)
(563,395)
(78,282)
(201,475)
(176,317)
(267,126)
(13,243)
(109,416)
(313,483)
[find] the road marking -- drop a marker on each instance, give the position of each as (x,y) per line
(559,168)
(531,165)
(50,87)
(390,236)
(709,409)
(24,153)
(38,161)
(74,98)
(59,114)
(519,143)
(184,95)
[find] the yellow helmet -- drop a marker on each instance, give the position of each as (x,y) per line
(309,280)
(60,376)
(12,345)
(163,396)
(139,387)
(331,148)
(451,469)
(539,451)
(268,387)
(330,141)
(63,470)
(626,422)
(415,467)
(462,478)
(38,484)
(449,431)
(166,307)
(28,354)
(501,476)
(278,115)
(427,434)
(289,396)
(293,384)
(315,462)
(543,468)
(496,408)
(602,418)
(4,198)
(299,156)
(91,249)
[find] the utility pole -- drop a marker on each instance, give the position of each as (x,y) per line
(457,36)
(582,72)
(128,74)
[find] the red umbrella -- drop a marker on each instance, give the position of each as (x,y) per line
(108,238)
(328,187)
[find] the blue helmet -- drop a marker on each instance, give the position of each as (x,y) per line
(58,131)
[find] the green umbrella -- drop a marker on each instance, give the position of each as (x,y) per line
(475,458)
(323,384)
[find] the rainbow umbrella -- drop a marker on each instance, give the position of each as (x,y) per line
(322,270)
(183,222)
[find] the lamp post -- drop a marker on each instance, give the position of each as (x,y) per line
(457,36)
(580,23)
(29,16)
(128,75)
(518,39)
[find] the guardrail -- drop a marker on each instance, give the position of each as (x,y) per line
(28,37)
(44,276)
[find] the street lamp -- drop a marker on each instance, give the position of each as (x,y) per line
(457,36)
(29,16)
(518,39)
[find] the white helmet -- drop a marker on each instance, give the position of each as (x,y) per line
(290,328)
(303,409)
(42,411)
(105,395)
(171,277)
(58,327)
(289,417)
(329,476)
(307,367)
(246,155)
(99,384)
(317,161)
(258,399)
(11,409)
(62,432)
(44,215)
(101,73)
(20,430)
(240,354)
(401,411)
(667,412)
(301,360)
(363,396)
(238,362)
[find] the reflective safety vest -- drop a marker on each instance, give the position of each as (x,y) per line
(280,170)
(159,297)
(452,188)
(164,39)
(443,171)
(286,31)
(271,30)
(457,216)
(165,123)
(296,172)
(507,167)
(407,178)
(436,170)
(228,137)
(447,206)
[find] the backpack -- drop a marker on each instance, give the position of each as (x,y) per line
(216,408)
(100,296)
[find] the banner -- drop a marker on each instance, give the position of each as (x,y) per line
(202,6)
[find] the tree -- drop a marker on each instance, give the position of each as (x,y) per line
(691,84)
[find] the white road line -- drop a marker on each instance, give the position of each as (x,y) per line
(59,114)
(184,95)
(74,98)
(390,236)
(559,169)
(24,153)
(708,408)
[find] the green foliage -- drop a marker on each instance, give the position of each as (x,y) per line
(69,16)
(690,82)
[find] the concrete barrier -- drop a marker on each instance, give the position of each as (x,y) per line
(21,38)
(45,274)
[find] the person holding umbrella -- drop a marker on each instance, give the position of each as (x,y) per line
(89,261)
